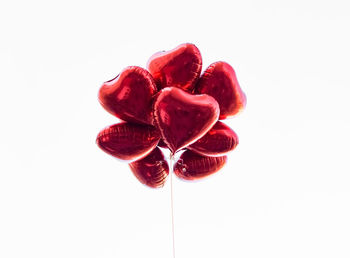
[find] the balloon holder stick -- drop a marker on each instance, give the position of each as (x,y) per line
(171,166)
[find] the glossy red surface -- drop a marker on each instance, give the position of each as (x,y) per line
(152,170)
(180,67)
(191,165)
(183,109)
(128,141)
(162,144)
(219,81)
(129,95)
(220,140)
(183,118)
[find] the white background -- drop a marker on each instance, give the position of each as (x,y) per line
(285,191)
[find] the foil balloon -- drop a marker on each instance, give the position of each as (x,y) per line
(220,140)
(129,95)
(191,165)
(127,141)
(162,144)
(179,67)
(172,106)
(219,81)
(182,118)
(152,170)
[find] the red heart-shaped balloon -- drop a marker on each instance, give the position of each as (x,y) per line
(191,165)
(183,118)
(219,81)
(128,141)
(129,95)
(152,170)
(179,67)
(220,140)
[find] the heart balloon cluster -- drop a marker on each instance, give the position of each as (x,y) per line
(171,105)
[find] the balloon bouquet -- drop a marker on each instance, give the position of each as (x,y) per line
(172,106)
